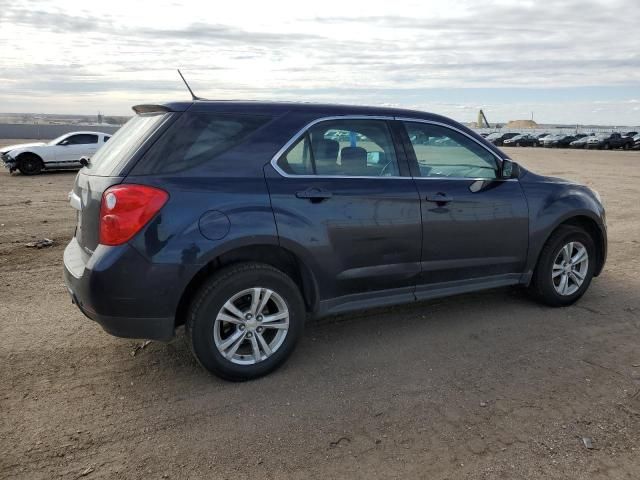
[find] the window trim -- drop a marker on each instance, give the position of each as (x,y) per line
(499,159)
(400,120)
(304,130)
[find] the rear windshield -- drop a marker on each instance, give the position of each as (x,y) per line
(109,158)
(197,138)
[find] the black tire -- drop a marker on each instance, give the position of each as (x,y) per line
(214,294)
(606,146)
(517,144)
(542,287)
(30,164)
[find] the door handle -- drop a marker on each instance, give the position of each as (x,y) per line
(314,194)
(439,198)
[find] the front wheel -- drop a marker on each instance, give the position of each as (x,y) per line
(29,164)
(565,267)
(245,321)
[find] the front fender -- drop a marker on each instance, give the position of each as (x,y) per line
(552,203)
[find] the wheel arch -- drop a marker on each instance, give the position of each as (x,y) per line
(589,225)
(593,228)
(29,153)
(274,255)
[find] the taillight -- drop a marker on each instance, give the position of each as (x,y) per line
(125,209)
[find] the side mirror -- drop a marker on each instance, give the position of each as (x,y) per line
(64,142)
(510,169)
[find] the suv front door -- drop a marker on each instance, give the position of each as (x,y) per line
(475,224)
(344,201)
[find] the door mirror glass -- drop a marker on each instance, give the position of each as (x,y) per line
(510,169)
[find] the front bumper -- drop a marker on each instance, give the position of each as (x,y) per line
(121,291)
(9,162)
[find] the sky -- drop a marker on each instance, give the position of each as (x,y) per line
(571,61)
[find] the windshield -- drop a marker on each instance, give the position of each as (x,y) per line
(124,143)
(494,135)
(55,141)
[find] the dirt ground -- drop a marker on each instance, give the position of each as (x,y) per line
(481,386)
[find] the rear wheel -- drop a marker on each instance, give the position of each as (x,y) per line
(565,267)
(245,321)
(30,164)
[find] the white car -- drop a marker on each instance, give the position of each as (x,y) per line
(63,152)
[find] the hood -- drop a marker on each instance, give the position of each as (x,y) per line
(8,148)
(530,176)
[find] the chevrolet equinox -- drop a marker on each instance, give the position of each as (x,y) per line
(239,220)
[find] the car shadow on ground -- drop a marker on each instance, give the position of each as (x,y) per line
(364,339)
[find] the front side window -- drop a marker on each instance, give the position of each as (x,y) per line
(81,139)
(351,148)
(443,152)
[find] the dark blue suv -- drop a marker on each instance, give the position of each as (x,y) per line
(242,219)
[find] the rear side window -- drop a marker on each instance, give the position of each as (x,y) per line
(196,138)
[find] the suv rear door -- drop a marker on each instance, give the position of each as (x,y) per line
(475,225)
(344,201)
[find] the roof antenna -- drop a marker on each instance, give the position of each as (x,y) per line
(193,96)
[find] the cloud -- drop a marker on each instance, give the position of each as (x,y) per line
(376,55)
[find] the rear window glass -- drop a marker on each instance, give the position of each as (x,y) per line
(109,158)
(196,138)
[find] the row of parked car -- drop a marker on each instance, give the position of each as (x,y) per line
(602,141)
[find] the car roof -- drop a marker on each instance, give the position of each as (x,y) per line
(272,107)
(85,132)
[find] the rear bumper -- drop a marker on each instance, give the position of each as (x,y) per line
(124,293)
(128,327)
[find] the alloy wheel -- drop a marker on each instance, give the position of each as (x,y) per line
(251,326)
(570,268)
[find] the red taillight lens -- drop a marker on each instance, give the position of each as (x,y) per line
(125,209)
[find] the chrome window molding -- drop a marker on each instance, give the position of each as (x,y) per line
(302,131)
